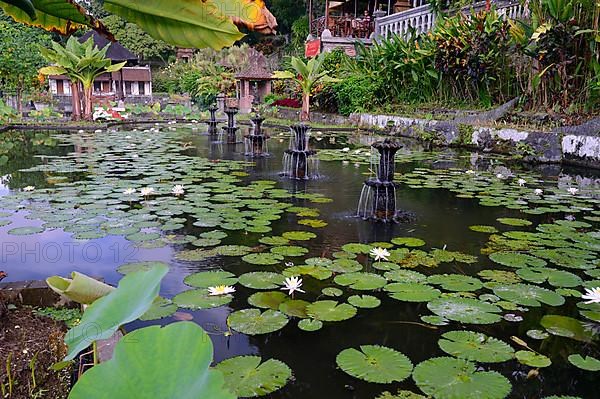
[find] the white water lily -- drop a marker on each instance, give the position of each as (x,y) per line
(292,284)
(573,190)
(146,191)
(521,182)
(178,190)
(220,290)
(538,191)
(470,172)
(592,295)
(357,152)
(500,176)
(289,264)
(346,149)
(28,188)
(129,191)
(380,254)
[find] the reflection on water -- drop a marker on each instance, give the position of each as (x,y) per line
(441,219)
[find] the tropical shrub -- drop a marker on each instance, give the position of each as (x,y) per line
(356,94)
(7,113)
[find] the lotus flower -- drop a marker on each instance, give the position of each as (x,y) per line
(538,191)
(178,190)
(28,188)
(380,254)
(292,284)
(220,290)
(573,190)
(146,191)
(129,191)
(592,295)
(521,182)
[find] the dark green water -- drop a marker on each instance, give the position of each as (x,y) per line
(440,218)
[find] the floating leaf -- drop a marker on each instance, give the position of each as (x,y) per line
(345,266)
(233,250)
(566,327)
(25,231)
(364,301)
(484,229)
(299,235)
(532,359)
(289,251)
(246,377)
(375,363)
(412,292)
(455,282)
(160,309)
(137,266)
(357,248)
(318,272)
(408,241)
(332,291)
(514,222)
(446,377)
(465,310)
(360,281)
(588,363)
(515,259)
(261,280)
(263,259)
(200,299)
(210,279)
(528,295)
(253,322)
(475,347)
(294,308)
(330,311)
(310,325)
(268,300)
(275,241)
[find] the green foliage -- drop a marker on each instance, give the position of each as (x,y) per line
(132,37)
(7,113)
(357,93)
(71,317)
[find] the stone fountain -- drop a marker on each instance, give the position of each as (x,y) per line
(378,197)
(231,128)
(300,162)
(256,142)
(212,122)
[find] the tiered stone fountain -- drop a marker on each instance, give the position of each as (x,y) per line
(300,162)
(212,122)
(231,128)
(256,142)
(378,197)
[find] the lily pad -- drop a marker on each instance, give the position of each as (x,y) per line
(375,363)
(408,242)
(25,231)
(318,272)
(514,222)
(310,325)
(532,359)
(360,281)
(261,280)
(138,266)
(246,377)
(566,327)
(588,363)
(294,308)
(412,292)
(268,300)
(364,301)
(330,311)
(528,295)
(160,309)
(299,235)
(465,310)
(199,299)
(253,322)
(516,259)
(475,347)
(210,279)
(289,250)
(263,259)
(483,229)
(455,282)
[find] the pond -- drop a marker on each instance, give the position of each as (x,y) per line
(481,252)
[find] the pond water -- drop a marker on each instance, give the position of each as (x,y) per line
(77,218)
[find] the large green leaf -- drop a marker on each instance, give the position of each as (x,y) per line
(465,310)
(253,322)
(528,295)
(80,288)
(132,298)
(564,326)
(330,311)
(475,346)
(184,23)
(246,377)
(375,363)
(448,378)
(155,362)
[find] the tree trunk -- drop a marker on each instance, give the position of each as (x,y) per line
(87,98)
(305,115)
(75,102)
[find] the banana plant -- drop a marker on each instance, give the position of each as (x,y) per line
(82,63)
(307,75)
(182,23)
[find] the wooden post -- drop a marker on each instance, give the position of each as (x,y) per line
(326,14)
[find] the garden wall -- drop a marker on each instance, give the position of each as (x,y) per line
(577,145)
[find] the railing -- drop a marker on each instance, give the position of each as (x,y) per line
(422,19)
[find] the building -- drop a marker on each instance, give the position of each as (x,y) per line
(132,84)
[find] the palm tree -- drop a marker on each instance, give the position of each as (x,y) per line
(307,76)
(82,63)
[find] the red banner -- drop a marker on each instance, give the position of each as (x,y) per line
(313,48)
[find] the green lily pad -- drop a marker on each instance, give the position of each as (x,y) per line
(294,308)
(446,377)
(518,260)
(268,300)
(233,250)
(261,280)
(199,299)
(360,281)
(138,266)
(357,248)
(25,231)
(345,266)
(299,235)
(401,394)
(332,291)
(475,346)
(364,301)
(375,363)
(588,363)
(537,334)
(274,240)
(330,311)
(289,250)
(246,377)
(408,242)
(532,359)
(465,310)
(253,322)
(210,279)
(405,276)
(310,325)
(263,259)
(483,229)
(160,309)
(412,292)
(455,282)
(514,222)
(318,272)
(528,295)
(566,327)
